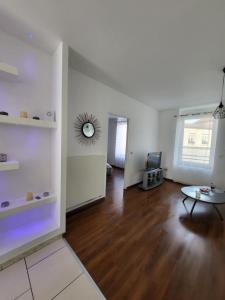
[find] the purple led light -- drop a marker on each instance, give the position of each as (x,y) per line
(24,226)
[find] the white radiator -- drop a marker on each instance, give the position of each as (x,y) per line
(86,179)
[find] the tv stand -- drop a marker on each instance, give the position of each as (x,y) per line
(152,178)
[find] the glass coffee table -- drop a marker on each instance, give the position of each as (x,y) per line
(214,198)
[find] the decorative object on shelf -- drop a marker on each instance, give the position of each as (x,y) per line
(212,186)
(37,197)
(5,204)
(51,116)
(219,113)
(4,113)
(3,157)
(87,129)
(30,196)
(23,114)
(36,118)
(46,194)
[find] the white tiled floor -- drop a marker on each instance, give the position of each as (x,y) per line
(54,272)
(81,287)
(26,296)
(44,252)
(60,269)
(13,281)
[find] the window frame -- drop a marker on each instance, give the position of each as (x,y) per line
(179,144)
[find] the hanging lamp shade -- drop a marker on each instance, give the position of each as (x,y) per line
(219,113)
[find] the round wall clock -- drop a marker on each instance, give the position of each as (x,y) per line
(87,128)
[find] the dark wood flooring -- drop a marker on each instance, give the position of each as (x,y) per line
(144,245)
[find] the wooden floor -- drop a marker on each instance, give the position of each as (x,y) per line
(144,245)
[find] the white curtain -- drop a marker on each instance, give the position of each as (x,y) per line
(195,149)
(121,139)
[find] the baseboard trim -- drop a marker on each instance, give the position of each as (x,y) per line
(26,253)
(83,206)
(171,180)
(119,168)
(168,179)
(133,185)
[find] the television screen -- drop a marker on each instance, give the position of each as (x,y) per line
(154,160)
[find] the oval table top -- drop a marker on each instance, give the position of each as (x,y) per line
(216,197)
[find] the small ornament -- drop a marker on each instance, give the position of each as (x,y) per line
(3,157)
(4,113)
(36,118)
(23,114)
(51,116)
(5,204)
(30,196)
(46,194)
(204,190)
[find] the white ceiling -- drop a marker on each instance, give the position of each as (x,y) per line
(165,53)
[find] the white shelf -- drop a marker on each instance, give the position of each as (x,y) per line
(9,165)
(26,122)
(18,205)
(7,71)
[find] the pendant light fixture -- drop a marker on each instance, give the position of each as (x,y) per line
(219,113)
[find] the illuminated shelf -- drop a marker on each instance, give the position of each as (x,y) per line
(7,71)
(9,165)
(18,205)
(26,231)
(26,122)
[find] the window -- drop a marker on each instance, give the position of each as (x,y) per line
(195,141)
(191,138)
(205,139)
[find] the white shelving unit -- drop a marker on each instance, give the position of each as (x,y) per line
(9,165)
(18,205)
(8,71)
(27,122)
(26,224)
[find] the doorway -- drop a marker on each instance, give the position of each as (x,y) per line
(116,155)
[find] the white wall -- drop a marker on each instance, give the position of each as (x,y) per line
(167,130)
(89,95)
(59,136)
(167,133)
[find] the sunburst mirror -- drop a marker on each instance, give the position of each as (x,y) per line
(87,128)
